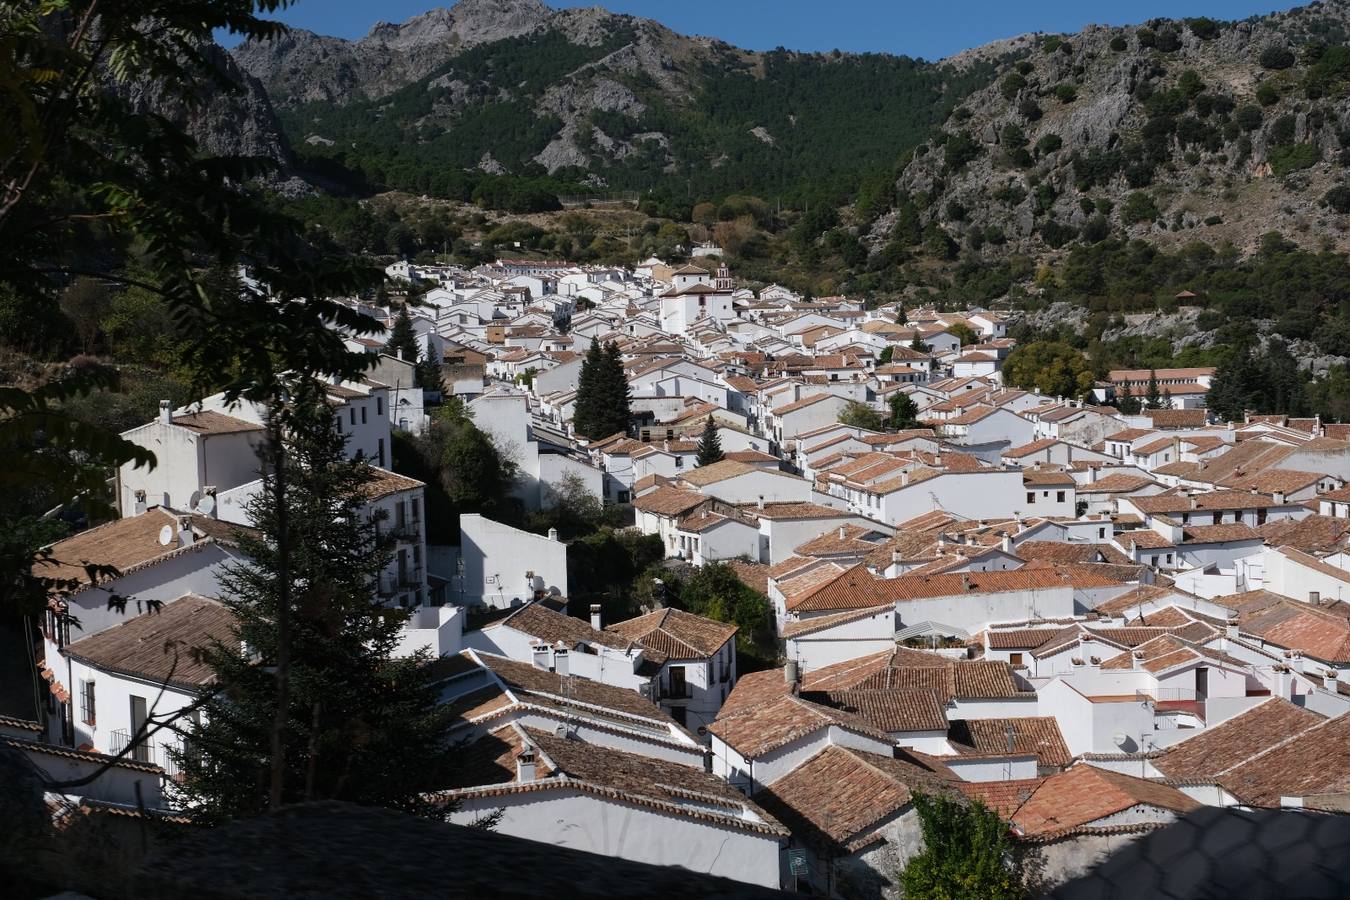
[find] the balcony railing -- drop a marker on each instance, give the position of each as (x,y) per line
(410,578)
(409,530)
(146,751)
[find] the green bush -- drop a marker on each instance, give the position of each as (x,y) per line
(1203,27)
(1267,94)
(1011,85)
(1066,93)
(1049,143)
(1147,37)
(1119,44)
(1276,57)
(1052,44)
(1139,207)
(1294,158)
(1168,41)
(1248,117)
(1338,198)
(1029,109)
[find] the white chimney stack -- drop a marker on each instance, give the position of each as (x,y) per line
(595,616)
(1330,678)
(525,765)
(553,534)
(1231,629)
(185,536)
(760,503)
(1007,543)
(165,412)
(841,532)
(1137,656)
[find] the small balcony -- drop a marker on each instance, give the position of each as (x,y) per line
(407,530)
(147,751)
(410,579)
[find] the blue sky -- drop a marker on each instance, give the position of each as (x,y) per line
(926,28)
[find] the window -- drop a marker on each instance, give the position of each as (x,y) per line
(1059,496)
(379,453)
(141,752)
(351,411)
(1031,496)
(679,714)
(379,406)
(363,415)
(1015,659)
(679,462)
(87,702)
(339,425)
(1101,534)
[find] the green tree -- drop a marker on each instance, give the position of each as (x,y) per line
(585,415)
(1153,397)
(1126,401)
(860,415)
(475,475)
(964,333)
(716,592)
(887,354)
(617,394)
(402,342)
(917,344)
(709,445)
(967,852)
(1048,366)
(904,412)
(354,722)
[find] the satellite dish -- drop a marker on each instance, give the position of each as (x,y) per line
(206,505)
(166,535)
(192,501)
(1120,738)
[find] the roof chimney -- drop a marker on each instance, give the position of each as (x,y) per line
(760,503)
(1231,629)
(1137,658)
(1007,543)
(595,616)
(165,412)
(525,764)
(1279,498)
(791,672)
(185,535)
(1329,680)
(553,534)
(841,532)
(895,556)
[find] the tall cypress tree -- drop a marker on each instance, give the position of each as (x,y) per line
(1153,399)
(585,414)
(355,724)
(710,445)
(617,413)
(1126,402)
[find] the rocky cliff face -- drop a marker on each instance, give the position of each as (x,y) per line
(1171,130)
(304,67)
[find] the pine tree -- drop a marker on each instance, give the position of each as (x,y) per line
(1126,401)
(918,344)
(428,374)
(585,414)
(710,445)
(887,354)
(402,342)
(356,723)
(1153,399)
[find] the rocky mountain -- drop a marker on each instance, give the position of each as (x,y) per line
(1170,130)
(511,86)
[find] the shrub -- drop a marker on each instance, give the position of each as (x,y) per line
(1066,93)
(1029,109)
(1276,57)
(1248,117)
(1049,143)
(1147,37)
(1267,94)
(1052,44)
(1214,220)
(1203,27)
(1011,85)
(1119,44)
(1168,41)
(1294,158)
(1139,207)
(1282,130)
(1338,198)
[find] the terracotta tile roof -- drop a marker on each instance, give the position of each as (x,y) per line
(751,457)
(832,543)
(530,682)
(128,545)
(1176,418)
(1165,652)
(44,749)
(1060,551)
(889,710)
(835,799)
(1020,638)
(1003,797)
(1031,734)
(382,483)
(917,587)
(1315,564)
(1047,478)
(718,471)
(1084,794)
(1146,538)
(159,645)
(539,621)
(1129,435)
(1269,481)
(669,500)
(800,404)
(210,422)
(753,575)
(676,634)
(1295,625)
(1227,744)
(755,689)
(789,565)
(756,730)
(1219,534)
(854,588)
(796,509)
(1118,483)
(1311,762)
(905,669)
(1311,534)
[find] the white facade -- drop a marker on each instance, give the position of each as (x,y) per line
(504,566)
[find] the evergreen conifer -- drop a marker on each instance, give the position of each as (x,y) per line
(710,445)
(402,342)
(356,724)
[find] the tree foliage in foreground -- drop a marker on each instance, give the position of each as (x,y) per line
(967,853)
(359,725)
